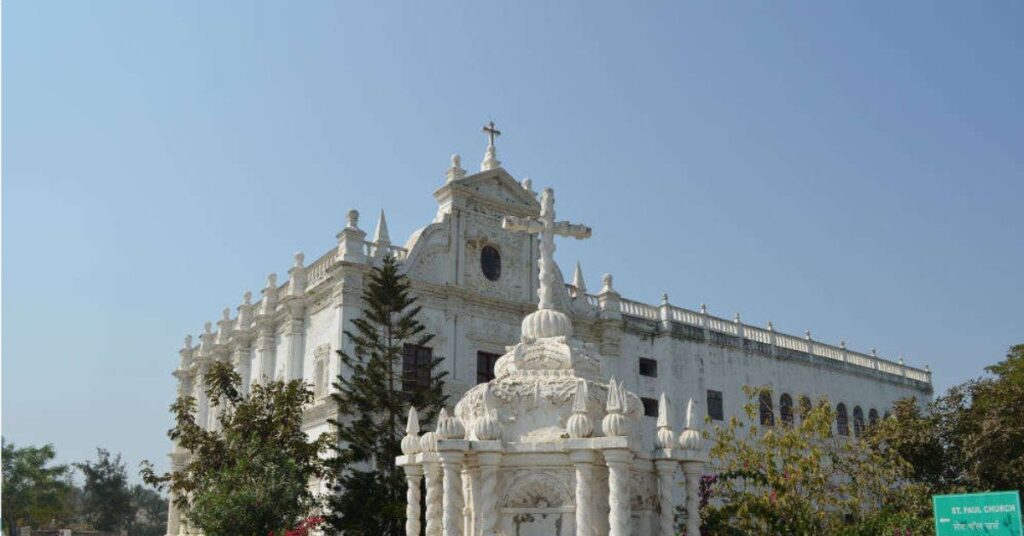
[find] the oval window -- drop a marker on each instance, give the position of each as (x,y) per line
(490,263)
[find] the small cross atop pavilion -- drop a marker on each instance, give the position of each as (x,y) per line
(491,156)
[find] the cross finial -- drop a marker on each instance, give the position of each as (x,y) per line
(548,228)
(491,133)
(491,156)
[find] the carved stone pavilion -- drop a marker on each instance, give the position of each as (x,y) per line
(547,447)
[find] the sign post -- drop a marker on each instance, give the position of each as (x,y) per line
(995,513)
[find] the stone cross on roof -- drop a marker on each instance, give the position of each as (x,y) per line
(491,156)
(491,132)
(548,228)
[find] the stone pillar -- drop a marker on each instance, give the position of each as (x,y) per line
(432,473)
(242,361)
(583,461)
(265,349)
(174,525)
(294,343)
(666,505)
(469,481)
(619,461)
(486,507)
(693,471)
(413,476)
(451,466)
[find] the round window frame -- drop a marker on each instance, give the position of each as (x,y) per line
(484,266)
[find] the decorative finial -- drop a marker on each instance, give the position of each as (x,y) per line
(664,298)
(527,184)
(771,327)
(738,320)
(927,367)
(352,219)
(491,157)
(578,281)
(208,328)
(300,258)
(188,343)
(381,235)
(614,423)
(606,283)
(690,439)
(226,314)
(703,309)
(842,343)
(901,359)
(874,353)
(807,334)
(487,427)
(271,280)
(665,436)
(579,424)
(455,171)
(448,427)
(411,441)
(247,298)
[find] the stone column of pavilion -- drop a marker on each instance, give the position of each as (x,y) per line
(451,451)
(580,426)
(618,458)
(413,474)
(693,458)
(488,448)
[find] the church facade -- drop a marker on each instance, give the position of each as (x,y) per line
(476,280)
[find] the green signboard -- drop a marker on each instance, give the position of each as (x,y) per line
(996,513)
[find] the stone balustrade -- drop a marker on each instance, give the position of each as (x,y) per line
(768,337)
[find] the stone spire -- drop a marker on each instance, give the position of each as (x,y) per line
(381,235)
(491,156)
(665,437)
(411,441)
(297,276)
(614,422)
(487,427)
(579,424)
(577,280)
(690,439)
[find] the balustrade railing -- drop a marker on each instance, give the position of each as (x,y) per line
(764,336)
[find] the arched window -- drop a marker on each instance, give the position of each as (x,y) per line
(858,421)
(767,412)
(786,409)
(872,417)
(805,407)
(842,420)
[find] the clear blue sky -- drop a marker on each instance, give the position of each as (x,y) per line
(854,168)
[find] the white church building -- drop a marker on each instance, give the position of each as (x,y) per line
(477,279)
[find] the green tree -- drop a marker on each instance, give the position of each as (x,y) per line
(35,492)
(373,401)
(798,478)
(969,439)
(106,501)
(250,477)
(149,512)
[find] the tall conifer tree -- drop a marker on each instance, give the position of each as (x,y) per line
(373,396)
